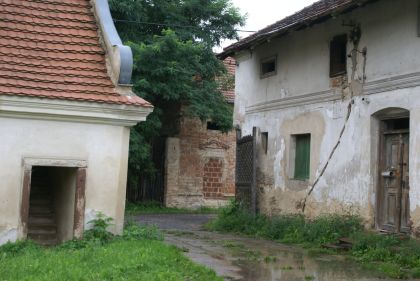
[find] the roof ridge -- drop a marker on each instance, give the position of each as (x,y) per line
(44,9)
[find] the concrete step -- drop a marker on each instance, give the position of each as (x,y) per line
(40,210)
(43,231)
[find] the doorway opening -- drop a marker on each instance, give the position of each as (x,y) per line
(51,204)
(393,212)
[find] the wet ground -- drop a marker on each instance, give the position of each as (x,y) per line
(241,258)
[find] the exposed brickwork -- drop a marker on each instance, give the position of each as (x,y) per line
(213,178)
(200,168)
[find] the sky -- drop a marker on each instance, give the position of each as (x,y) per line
(265,12)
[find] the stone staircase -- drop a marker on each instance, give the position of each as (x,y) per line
(42,227)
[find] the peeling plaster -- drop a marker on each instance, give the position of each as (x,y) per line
(278,178)
(9,235)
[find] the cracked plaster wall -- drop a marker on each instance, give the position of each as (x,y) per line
(301,98)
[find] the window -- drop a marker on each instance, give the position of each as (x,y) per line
(213,126)
(264,141)
(302,156)
(338,55)
(418,21)
(268,67)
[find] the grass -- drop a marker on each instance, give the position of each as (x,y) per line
(391,255)
(137,255)
(157,208)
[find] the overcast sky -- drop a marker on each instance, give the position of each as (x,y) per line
(265,12)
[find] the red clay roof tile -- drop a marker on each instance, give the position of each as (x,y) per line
(51,49)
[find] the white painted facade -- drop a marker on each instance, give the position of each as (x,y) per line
(300,98)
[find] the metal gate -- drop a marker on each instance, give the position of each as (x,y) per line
(245,181)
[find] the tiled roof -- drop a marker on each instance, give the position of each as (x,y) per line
(51,49)
(230,65)
(317,12)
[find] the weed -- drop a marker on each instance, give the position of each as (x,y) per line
(269,259)
(287,267)
(153,207)
(309,278)
(396,257)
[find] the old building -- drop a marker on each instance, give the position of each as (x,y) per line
(66,109)
(334,94)
(200,162)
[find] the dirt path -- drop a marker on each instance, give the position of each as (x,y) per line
(240,258)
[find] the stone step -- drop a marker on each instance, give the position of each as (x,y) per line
(39,210)
(42,227)
(42,220)
(43,231)
(42,237)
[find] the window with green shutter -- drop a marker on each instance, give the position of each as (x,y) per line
(302,156)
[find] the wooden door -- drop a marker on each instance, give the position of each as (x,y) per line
(394,182)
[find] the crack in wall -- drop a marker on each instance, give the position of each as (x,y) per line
(355,36)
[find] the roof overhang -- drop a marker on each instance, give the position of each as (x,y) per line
(277,29)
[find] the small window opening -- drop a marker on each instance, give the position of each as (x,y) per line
(213,126)
(268,67)
(338,55)
(302,156)
(397,124)
(264,141)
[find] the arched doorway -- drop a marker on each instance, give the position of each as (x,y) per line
(392,208)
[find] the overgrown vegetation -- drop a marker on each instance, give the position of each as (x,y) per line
(158,208)
(136,255)
(174,66)
(393,255)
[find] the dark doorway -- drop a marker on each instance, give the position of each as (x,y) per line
(52,204)
(393,190)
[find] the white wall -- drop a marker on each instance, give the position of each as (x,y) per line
(104,147)
(300,99)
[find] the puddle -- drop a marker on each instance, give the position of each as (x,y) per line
(246,259)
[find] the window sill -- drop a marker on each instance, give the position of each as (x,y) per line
(298,184)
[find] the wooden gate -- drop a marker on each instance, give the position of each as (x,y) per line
(245,181)
(150,187)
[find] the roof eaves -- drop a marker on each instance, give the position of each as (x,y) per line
(277,30)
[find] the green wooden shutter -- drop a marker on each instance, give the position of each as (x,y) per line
(302,157)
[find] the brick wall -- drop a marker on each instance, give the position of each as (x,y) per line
(200,168)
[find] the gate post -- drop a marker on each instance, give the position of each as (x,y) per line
(254,171)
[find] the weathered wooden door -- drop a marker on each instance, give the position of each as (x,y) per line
(394,181)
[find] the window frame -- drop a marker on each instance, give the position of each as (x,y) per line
(299,173)
(268,60)
(335,69)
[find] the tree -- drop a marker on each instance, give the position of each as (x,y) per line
(174,65)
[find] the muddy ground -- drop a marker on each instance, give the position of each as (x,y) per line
(247,259)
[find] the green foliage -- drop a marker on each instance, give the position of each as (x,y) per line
(138,254)
(174,66)
(133,231)
(286,228)
(99,231)
(119,260)
(396,256)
